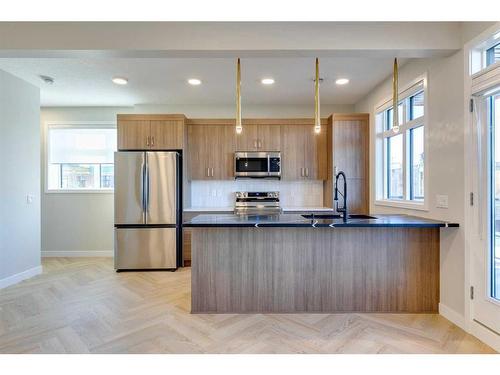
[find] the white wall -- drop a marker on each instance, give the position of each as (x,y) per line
(19,163)
(79,224)
(445,137)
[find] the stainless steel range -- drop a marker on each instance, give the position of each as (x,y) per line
(253,202)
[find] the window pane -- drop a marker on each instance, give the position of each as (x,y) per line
(395,167)
(81,158)
(107,176)
(54,176)
(80,176)
(493,55)
(417,163)
(389,116)
(77,145)
(495,204)
(417,106)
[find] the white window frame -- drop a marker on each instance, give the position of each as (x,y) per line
(477,56)
(418,84)
(72,125)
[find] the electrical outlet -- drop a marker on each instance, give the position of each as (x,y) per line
(29,198)
(442,201)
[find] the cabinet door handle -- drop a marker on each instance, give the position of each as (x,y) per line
(153,140)
(259,143)
(307,172)
(212,171)
(255,143)
(208,172)
(301,172)
(147,140)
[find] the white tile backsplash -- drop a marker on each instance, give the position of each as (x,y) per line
(292,193)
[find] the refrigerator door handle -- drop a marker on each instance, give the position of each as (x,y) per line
(143,182)
(147,186)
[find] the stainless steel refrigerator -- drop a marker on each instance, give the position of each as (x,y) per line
(148,212)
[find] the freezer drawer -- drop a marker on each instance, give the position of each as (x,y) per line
(145,248)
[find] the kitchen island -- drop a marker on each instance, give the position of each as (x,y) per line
(293,264)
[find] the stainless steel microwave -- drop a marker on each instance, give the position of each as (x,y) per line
(257,164)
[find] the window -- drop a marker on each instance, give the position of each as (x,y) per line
(494,188)
(493,55)
(401,155)
(80,157)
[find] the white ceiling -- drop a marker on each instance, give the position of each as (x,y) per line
(87,82)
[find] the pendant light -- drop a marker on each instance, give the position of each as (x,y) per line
(239,128)
(317,117)
(395,112)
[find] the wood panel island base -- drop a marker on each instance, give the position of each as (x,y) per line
(295,268)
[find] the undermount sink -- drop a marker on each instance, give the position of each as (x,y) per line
(331,217)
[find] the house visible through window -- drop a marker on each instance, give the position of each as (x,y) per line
(80,157)
(402,162)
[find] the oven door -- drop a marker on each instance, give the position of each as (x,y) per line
(251,164)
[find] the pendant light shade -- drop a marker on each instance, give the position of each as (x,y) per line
(317,117)
(239,127)
(395,114)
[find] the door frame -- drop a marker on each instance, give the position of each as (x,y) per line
(469,324)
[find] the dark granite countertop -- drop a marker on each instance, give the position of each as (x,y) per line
(294,220)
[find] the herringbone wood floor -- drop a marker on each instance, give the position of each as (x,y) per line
(82,305)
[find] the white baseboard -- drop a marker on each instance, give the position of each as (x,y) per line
(18,277)
(79,254)
(453,316)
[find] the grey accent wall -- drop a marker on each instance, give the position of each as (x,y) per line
(20,176)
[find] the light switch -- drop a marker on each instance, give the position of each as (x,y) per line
(29,198)
(442,201)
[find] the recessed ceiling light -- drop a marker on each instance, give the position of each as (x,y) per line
(120,80)
(267,81)
(194,81)
(342,81)
(48,80)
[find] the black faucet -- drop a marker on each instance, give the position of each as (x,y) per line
(342,209)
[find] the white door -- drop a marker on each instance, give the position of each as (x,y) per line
(485,236)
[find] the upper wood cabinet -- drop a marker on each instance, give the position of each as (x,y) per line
(150,132)
(133,134)
(304,153)
(259,138)
(211,152)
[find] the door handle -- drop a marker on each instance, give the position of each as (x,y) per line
(208,172)
(143,183)
(255,145)
(307,172)
(301,172)
(259,143)
(153,140)
(212,171)
(147,185)
(147,140)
